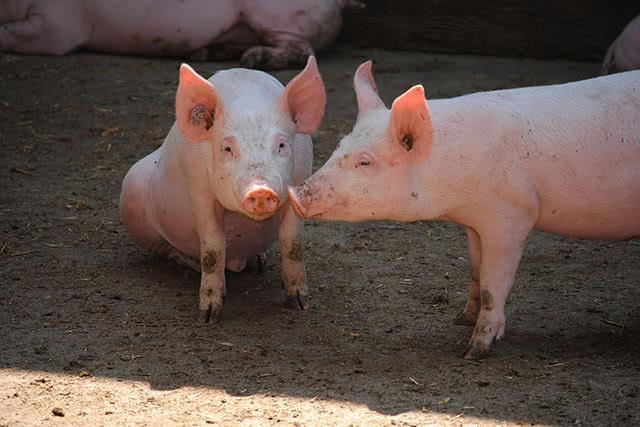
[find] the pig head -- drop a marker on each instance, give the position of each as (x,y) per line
(369,175)
(253,159)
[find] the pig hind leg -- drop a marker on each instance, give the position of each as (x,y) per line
(134,210)
(47,29)
(285,52)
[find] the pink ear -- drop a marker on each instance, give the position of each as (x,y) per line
(410,123)
(196,103)
(366,90)
(304,98)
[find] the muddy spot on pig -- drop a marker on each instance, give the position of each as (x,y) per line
(209,262)
(487,299)
(297,251)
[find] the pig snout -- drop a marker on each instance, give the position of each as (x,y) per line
(260,201)
(299,209)
(309,201)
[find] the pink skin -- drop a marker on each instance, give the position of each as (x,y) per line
(624,52)
(215,190)
(563,159)
(270,34)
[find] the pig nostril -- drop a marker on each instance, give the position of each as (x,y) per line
(260,201)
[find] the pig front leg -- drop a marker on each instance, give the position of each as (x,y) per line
(501,251)
(294,276)
(213,245)
(470,313)
(286,50)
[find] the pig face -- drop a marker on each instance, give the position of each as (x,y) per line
(370,174)
(250,140)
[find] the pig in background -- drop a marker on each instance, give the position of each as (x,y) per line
(265,34)
(624,52)
(214,194)
(563,159)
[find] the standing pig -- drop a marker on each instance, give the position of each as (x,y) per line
(563,158)
(216,188)
(270,34)
(624,52)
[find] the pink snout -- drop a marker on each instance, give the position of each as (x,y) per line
(260,201)
(295,202)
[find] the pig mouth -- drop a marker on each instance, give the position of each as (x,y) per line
(301,210)
(258,218)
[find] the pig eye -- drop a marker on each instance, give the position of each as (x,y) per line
(364,160)
(227,148)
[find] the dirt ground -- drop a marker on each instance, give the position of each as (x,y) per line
(93,331)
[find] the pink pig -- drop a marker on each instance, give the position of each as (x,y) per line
(216,188)
(624,52)
(563,158)
(269,34)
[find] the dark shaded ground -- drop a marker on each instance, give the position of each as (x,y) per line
(108,334)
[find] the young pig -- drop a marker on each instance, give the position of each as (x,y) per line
(563,158)
(215,189)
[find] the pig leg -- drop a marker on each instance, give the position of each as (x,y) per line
(53,29)
(285,50)
(209,217)
(294,276)
(501,252)
(470,313)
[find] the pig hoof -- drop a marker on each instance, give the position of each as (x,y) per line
(465,319)
(476,351)
(256,57)
(297,301)
(211,313)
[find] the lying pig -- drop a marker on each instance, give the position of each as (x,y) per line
(563,158)
(269,34)
(624,52)
(215,189)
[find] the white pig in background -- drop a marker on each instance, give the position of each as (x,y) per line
(266,34)
(562,158)
(216,188)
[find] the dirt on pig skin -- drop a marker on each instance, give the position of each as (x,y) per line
(98,330)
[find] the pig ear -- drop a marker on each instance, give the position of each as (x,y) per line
(410,125)
(196,103)
(304,98)
(366,90)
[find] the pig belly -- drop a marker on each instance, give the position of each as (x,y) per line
(149,27)
(603,206)
(247,238)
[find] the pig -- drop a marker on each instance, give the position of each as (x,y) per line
(562,158)
(624,52)
(214,193)
(269,34)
